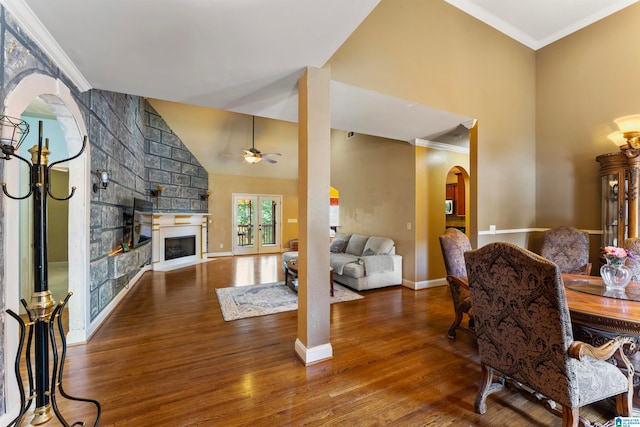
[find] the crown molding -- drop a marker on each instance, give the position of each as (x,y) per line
(472,8)
(440,146)
(34,28)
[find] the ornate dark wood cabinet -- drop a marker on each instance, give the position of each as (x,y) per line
(619,187)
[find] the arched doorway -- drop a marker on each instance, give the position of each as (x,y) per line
(457,199)
(63,106)
(38,112)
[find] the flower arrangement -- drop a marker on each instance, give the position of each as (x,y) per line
(614,273)
(616,252)
(615,255)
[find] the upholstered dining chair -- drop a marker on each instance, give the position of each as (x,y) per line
(454,243)
(568,247)
(523,330)
(632,245)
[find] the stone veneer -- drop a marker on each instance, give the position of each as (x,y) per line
(141,152)
(128,138)
(171,164)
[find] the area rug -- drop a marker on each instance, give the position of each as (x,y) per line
(269,298)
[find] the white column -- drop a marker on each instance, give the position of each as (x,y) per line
(314,162)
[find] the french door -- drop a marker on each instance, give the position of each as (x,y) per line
(256,223)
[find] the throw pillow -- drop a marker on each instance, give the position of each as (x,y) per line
(337,246)
(342,236)
(356,244)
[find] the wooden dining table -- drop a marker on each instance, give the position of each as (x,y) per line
(599,314)
(612,311)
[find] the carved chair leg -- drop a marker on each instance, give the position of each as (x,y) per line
(570,416)
(624,404)
(455,324)
(487,386)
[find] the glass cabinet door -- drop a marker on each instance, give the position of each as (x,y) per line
(611,209)
(614,175)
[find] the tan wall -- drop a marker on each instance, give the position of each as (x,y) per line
(584,82)
(431,53)
(376,182)
(223,186)
(58,218)
(431,187)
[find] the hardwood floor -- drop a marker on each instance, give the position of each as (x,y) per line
(167,358)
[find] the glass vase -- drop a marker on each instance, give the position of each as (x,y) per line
(614,273)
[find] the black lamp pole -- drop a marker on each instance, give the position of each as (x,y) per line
(41,301)
(41,311)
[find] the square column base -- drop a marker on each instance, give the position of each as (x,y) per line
(309,356)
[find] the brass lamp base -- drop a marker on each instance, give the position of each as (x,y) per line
(41,415)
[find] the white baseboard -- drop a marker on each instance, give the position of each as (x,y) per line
(424,284)
(106,312)
(313,355)
(215,254)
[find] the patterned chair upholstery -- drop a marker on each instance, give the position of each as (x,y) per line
(454,244)
(569,248)
(632,244)
(524,332)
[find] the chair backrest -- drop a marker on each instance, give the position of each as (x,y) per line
(632,244)
(522,319)
(454,243)
(568,247)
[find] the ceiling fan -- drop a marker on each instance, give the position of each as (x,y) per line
(253,155)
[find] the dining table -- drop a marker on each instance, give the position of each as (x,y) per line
(600,313)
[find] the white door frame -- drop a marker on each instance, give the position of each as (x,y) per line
(258,247)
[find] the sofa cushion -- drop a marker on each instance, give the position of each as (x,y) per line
(339,243)
(378,246)
(339,261)
(356,244)
(354,270)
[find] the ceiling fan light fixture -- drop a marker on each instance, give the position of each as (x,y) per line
(253,155)
(251,159)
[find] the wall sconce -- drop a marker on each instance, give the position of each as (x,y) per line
(104,180)
(205,196)
(629,133)
(156,193)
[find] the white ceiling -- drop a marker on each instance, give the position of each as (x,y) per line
(246,56)
(537,23)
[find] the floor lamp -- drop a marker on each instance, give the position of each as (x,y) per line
(43,313)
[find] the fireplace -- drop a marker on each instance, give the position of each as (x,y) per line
(178,247)
(179,240)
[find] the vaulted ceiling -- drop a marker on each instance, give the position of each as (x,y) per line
(245,56)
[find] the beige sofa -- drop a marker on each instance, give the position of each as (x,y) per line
(362,262)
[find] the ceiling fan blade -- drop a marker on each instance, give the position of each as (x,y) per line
(271,154)
(266,159)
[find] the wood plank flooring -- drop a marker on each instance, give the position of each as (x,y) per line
(166,357)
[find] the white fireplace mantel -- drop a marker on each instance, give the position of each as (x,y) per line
(169,225)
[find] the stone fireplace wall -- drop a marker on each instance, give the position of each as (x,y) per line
(128,138)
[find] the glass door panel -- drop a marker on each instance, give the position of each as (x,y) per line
(256,224)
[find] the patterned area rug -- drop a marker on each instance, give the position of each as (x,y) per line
(259,300)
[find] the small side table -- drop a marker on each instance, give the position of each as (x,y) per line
(291,276)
